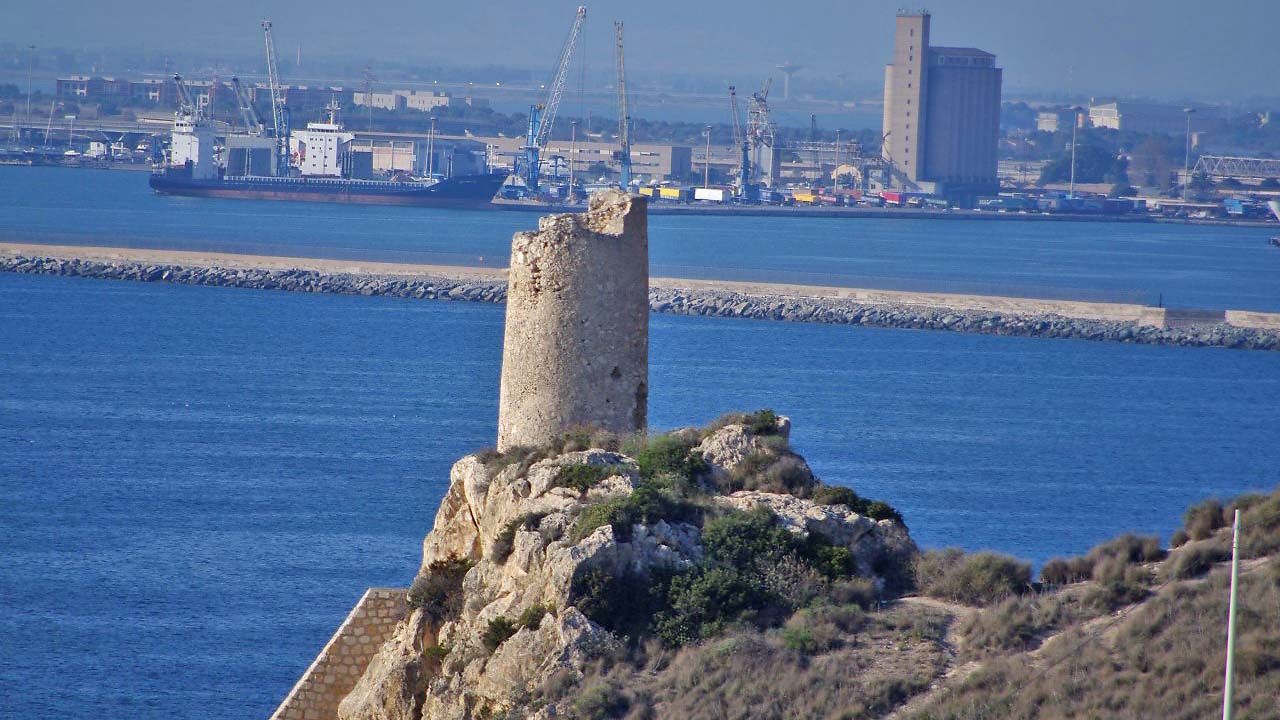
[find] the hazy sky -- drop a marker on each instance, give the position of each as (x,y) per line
(1164,48)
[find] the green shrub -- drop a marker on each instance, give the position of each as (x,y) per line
(668,454)
(625,604)
(497,632)
(741,539)
(438,591)
(583,477)
(646,504)
(702,603)
(978,579)
(437,652)
(504,543)
(531,617)
(880,510)
(837,495)
(760,422)
(799,640)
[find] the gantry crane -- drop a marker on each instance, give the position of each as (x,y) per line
(542,117)
(279,111)
(624,116)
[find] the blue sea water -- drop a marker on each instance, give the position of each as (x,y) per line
(197,483)
(1181,266)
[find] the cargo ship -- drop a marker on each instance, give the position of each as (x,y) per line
(317,164)
(465,191)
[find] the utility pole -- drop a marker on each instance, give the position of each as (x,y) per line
(706,160)
(1075,128)
(1186,161)
(573,151)
(1228,689)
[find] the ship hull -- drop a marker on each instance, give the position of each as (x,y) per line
(464,192)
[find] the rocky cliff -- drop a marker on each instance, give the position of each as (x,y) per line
(545,562)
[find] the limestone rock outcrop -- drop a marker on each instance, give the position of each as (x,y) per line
(495,615)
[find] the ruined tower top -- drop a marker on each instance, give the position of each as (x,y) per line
(576,346)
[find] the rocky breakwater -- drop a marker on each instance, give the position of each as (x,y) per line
(545,563)
(423,287)
(668,299)
(839,311)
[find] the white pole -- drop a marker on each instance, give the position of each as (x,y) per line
(431,149)
(706,161)
(1075,124)
(1228,689)
(573,152)
(1186,161)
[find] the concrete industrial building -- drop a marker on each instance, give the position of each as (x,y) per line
(1138,117)
(941,113)
(648,162)
(1059,119)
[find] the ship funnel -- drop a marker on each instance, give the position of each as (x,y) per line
(1275,208)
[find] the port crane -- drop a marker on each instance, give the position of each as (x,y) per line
(760,135)
(542,117)
(624,117)
(744,190)
(279,111)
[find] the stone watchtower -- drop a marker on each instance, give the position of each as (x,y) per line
(576,348)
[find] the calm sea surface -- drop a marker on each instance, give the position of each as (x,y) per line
(197,483)
(1213,267)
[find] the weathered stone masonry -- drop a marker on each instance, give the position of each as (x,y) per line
(345,657)
(576,349)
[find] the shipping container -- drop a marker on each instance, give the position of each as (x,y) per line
(711,194)
(668,193)
(804,198)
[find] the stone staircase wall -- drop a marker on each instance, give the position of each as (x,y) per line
(344,658)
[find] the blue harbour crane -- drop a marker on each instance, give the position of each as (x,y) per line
(279,112)
(542,117)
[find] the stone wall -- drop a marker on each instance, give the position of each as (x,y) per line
(576,347)
(1249,319)
(343,659)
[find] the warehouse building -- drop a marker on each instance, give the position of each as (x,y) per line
(589,159)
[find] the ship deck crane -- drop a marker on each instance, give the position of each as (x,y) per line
(279,111)
(542,117)
(187,104)
(248,113)
(624,116)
